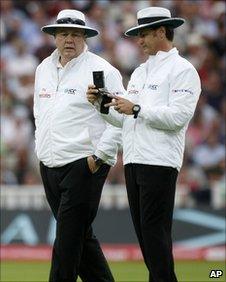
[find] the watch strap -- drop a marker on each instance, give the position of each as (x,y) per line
(98,161)
(136,112)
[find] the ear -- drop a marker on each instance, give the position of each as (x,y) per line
(161,32)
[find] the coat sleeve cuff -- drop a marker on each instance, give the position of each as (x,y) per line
(142,111)
(106,159)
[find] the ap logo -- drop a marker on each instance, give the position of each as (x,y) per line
(216,273)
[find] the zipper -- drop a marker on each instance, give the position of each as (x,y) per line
(135,122)
(133,140)
(51,119)
(58,81)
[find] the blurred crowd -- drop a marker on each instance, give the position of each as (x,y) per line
(201,40)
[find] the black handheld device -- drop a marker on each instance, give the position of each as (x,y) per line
(98,80)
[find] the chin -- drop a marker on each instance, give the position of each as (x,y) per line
(71,55)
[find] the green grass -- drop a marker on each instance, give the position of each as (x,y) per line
(196,271)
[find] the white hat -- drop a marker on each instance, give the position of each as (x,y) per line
(70,18)
(154,17)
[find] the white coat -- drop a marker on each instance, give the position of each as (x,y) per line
(68,127)
(167,88)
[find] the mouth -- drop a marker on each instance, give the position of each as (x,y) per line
(145,48)
(69,48)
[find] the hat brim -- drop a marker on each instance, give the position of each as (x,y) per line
(172,22)
(51,29)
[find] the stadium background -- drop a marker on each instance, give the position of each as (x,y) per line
(27,228)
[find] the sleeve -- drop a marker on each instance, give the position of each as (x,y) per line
(184,92)
(35,99)
(114,85)
(114,118)
(36,107)
(108,145)
(111,138)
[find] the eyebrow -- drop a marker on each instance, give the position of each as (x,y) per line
(147,31)
(143,33)
(70,31)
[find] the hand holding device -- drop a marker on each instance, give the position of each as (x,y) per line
(98,80)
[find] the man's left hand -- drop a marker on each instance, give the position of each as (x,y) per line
(121,105)
(92,165)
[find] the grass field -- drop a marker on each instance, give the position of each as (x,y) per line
(196,271)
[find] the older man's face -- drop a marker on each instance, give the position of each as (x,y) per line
(70,42)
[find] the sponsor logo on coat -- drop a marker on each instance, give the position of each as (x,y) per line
(71,91)
(153,86)
(132,90)
(182,91)
(44,94)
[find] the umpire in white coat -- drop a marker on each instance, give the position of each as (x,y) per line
(75,147)
(161,98)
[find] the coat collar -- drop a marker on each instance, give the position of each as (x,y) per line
(55,56)
(161,55)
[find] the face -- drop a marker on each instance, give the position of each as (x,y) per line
(150,40)
(70,42)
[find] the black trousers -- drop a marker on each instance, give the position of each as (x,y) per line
(151,192)
(73,194)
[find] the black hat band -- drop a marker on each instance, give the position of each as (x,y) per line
(70,21)
(150,20)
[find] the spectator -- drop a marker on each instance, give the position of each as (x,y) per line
(209,154)
(202,40)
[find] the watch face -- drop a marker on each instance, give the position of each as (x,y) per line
(136,108)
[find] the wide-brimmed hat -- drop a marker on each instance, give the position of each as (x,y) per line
(154,17)
(70,18)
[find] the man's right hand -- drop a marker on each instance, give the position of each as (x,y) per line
(92,94)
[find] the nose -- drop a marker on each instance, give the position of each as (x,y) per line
(69,38)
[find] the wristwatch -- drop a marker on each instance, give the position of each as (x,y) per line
(136,109)
(98,161)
